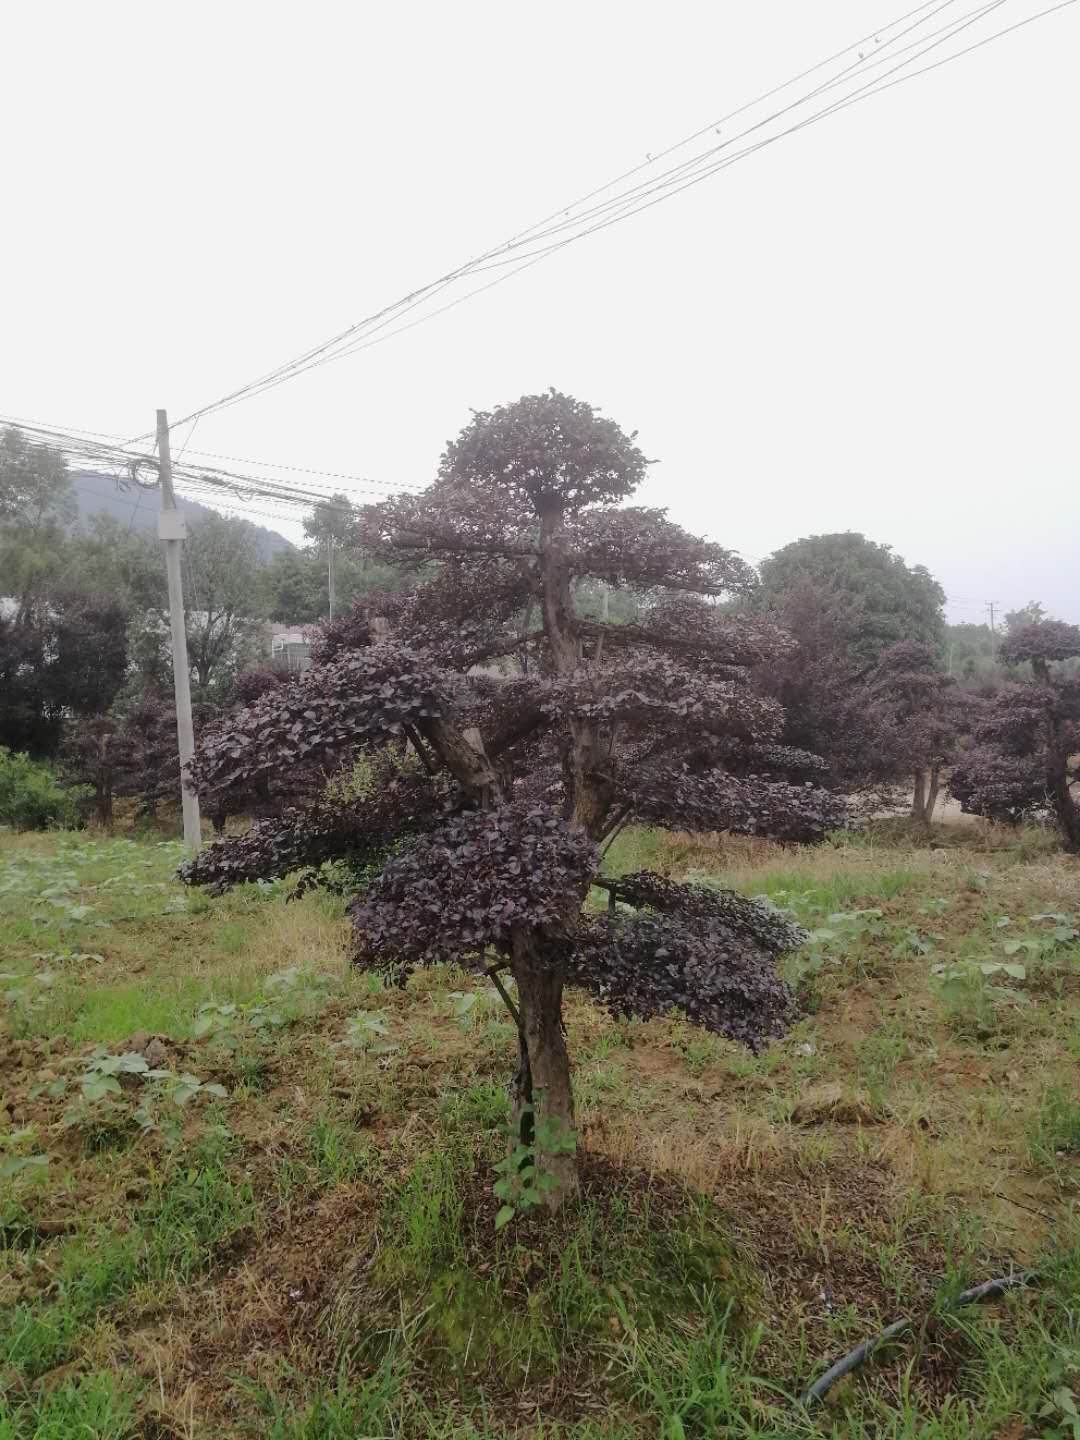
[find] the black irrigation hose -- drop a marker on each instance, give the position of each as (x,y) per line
(988,1290)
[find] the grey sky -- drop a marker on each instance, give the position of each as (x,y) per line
(872,325)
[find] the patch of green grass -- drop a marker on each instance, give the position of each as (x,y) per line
(523,1301)
(352,1408)
(339,1154)
(877,1057)
(482,1108)
(91,1273)
(198,1211)
(108,1014)
(232,937)
(1055,1127)
(98,1406)
(805,890)
(638,847)
(601,1084)
(698,1047)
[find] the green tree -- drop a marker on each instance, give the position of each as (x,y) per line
(222,600)
(1033,613)
(293,587)
(861,593)
(36,504)
(109,558)
(969,651)
(845,600)
(35,490)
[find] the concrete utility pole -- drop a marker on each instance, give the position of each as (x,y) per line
(172,531)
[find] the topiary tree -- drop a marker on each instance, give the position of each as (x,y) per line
(494,796)
(910,707)
(1022,760)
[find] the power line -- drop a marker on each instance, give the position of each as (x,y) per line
(391,312)
(78,447)
(514,253)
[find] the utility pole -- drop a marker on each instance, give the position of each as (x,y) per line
(172,531)
(993,633)
(330,571)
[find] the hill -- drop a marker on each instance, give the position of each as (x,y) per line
(100,495)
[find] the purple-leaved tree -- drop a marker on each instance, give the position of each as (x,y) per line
(1022,760)
(492,791)
(912,712)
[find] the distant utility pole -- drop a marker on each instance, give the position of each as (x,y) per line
(330,571)
(172,531)
(993,633)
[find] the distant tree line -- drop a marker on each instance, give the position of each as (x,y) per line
(85,659)
(876,683)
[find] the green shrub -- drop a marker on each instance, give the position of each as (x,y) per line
(31,798)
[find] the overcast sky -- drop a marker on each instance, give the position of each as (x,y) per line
(872,325)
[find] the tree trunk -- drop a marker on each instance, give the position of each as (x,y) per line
(103,800)
(103,805)
(1057,774)
(543,1068)
(918,799)
(1066,810)
(933,792)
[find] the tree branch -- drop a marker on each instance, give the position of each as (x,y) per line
(492,972)
(414,741)
(612,833)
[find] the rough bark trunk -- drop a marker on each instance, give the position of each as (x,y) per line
(1066,810)
(543,1074)
(103,799)
(103,806)
(932,793)
(918,799)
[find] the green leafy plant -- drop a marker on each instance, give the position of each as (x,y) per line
(31,797)
(100,1107)
(524,1181)
(1061,1410)
(294,993)
(17,1164)
(368,1031)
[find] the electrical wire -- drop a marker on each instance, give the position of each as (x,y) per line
(506,256)
(388,313)
(109,458)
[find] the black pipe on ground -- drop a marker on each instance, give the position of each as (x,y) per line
(988,1290)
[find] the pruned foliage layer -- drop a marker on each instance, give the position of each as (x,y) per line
(465,887)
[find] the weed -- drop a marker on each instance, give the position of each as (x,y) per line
(1055,1128)
(197,1212)
(877,1057)
(95,1406)
(352,1408)
(524,1179)
(698,1047)
(481,1108)
(339,1155)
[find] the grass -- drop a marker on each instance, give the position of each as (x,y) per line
(313,1254)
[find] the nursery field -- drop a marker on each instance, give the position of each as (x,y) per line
(246,1190)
